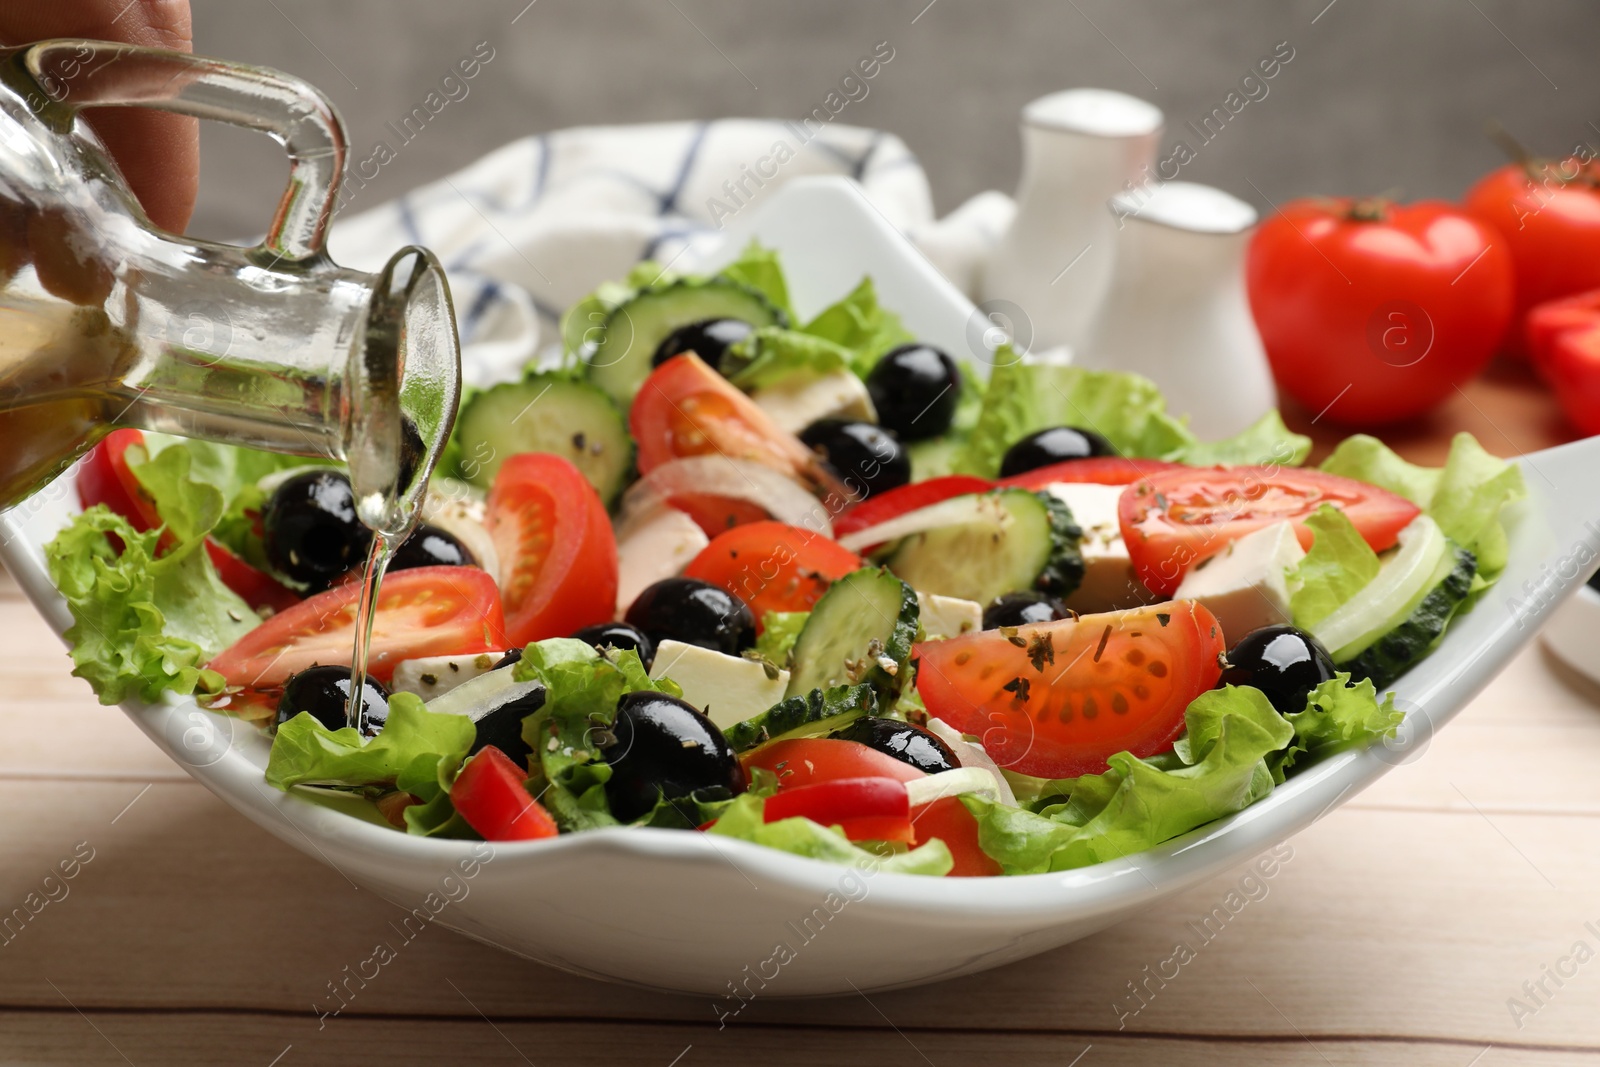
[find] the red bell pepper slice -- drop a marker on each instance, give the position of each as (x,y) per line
(490,794)
(907,498)
(866,809)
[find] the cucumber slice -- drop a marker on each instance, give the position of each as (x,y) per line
(820,711)
(994,543)
(620,359)
(550,412)
(1419,563)
(860,631)
(1393,654)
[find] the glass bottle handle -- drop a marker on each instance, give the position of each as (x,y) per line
(75,74)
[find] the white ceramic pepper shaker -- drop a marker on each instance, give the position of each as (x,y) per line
(1080,147)
(1177,311)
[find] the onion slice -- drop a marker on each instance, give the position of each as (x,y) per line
(957,511)
(738,479)
(971,755)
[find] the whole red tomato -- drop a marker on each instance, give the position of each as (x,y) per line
(1372,311)
(1548,215)
(1564,338)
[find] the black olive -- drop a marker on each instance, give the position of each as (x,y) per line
(1019,609)
(429,546)
(325,690)
(620,635)
(501,726)
(867,458)
(694,612)
(661,746)
(310,529)
(915,389)
(1284,663)
(904,742)
(709,339)
(1055,445)
(507,658)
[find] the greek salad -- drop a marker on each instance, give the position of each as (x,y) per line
(813,584)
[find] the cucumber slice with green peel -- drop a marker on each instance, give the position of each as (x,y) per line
(551,412)
(1391,655)
(620,356)
(820,711)
(1420,562)
(860,631)
(994,543)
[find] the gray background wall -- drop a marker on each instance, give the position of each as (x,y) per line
(1380,93)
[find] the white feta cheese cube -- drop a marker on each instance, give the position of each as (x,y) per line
(1246,584)
(1109,582)
(948,616)
(432,676)
(729,689)
(802,400)
(653,547)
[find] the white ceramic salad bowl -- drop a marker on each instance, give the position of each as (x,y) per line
(705,914)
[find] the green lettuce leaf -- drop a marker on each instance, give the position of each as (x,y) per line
(416,750)
(1338,716)
(1465,496)
(771,355)
(1266,441)
(1024,398)
(142,623)
(862,325)
(744,819)
(1217,768)
(779,631)
(1338,566)
(581,692)
(758,267)
(202,487)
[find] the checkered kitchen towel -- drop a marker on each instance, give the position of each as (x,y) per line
(532,227)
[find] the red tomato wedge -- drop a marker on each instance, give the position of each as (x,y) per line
(1076,691)
(1173,520)
(426,611)
(489,793)
(105,478)
(773,567)
(1102,470)
(687,409)
(907,498)
(558,554)
(803,762)
(866,809)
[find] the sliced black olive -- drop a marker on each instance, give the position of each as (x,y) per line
(694,612)
(620,635)
(867,458)
(709,339)
(310,529)
(429,546)
(904,742)
(661,746)
(1055,445)
(1019,609)
(915,389)
(325,690)
(1283,662)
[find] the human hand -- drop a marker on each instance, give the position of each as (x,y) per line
(158,153)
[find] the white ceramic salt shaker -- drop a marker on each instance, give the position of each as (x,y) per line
(1177,311)
(1080,147)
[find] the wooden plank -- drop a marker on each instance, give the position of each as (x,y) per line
(186,905)
(1506,408)
(114,1040)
